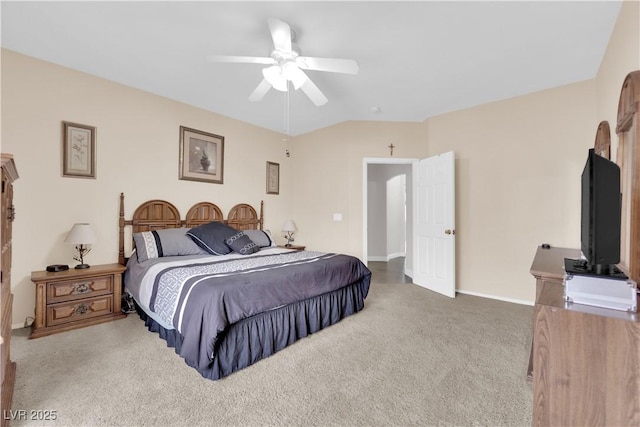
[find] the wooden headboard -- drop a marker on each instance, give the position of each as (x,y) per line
(160,214)
(602,145)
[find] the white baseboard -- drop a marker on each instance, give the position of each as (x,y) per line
(396,255)
(513,300)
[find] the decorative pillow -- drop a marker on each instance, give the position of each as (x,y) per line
(211,237)
(259,237)
(242,244)
(166,242)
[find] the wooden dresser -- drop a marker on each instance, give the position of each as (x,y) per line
(7,367)
(76,298)
(586,360)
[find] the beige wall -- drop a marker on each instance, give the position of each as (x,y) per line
(622,57)
(518,183)
(328,172)
(137,153)
(518,172)
(518,166)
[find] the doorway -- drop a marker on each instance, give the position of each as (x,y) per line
(387,210)
(429,216)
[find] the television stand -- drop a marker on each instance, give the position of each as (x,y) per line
(585,365)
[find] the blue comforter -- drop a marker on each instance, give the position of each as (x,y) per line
(201,300)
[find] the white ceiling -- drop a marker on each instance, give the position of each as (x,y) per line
(417,59)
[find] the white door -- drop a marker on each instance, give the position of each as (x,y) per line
(434,243)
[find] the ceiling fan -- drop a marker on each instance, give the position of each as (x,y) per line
(286,65)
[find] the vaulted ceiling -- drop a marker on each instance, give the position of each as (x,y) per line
(417,59)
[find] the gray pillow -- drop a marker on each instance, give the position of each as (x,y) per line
(259,237)
(166,242)
(211,237)
(242,244)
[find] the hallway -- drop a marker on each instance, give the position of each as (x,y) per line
(388,272)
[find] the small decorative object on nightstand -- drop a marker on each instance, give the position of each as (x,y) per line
(72,299)
(81,235)
(289,228)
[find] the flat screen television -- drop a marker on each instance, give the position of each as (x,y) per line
(601,214)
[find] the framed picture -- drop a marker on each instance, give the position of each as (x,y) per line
(78,150)
(201,156)
(273,178)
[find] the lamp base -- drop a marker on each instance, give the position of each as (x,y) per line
(288,245)
(81,266)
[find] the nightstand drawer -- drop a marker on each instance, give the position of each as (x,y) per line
(79,310)
(69,290)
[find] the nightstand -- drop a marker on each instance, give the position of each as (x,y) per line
(76,298)
(294,247)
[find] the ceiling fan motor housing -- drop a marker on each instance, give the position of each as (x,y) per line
(281,56)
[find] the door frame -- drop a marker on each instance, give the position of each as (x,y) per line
(366,161)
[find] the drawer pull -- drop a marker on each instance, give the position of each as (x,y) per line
(81,309)
(82,288)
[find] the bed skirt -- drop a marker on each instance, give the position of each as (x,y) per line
(252,339)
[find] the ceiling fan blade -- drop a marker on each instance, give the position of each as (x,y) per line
(260,91)
(314,94)
(241,59)
(334,65)
(281,34)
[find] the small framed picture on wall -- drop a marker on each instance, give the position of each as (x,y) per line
(78,150)
(273,178)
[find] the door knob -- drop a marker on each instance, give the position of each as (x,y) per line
(449,231)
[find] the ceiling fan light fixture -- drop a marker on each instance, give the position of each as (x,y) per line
(276,78)
(295,75)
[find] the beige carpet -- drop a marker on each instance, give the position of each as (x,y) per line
(411,357)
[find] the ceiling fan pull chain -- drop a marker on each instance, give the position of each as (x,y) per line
(286,112)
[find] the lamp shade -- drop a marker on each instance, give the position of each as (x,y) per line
(295,75)
(274,76)
(81,234)
(288,226)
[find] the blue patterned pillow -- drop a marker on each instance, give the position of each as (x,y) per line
(242,244)
(262,238)
(211,237)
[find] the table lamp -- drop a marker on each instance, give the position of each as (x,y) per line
(81,235)
(289,228)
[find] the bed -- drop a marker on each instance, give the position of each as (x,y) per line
(227,311)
